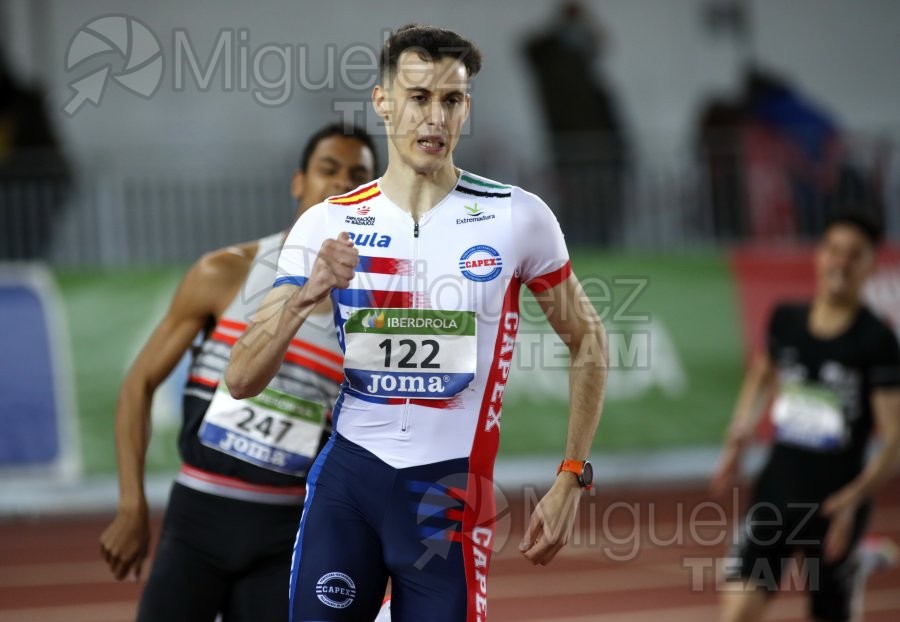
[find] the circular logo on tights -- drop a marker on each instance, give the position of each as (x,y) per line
(336,590)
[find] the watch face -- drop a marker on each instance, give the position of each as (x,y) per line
(587,474)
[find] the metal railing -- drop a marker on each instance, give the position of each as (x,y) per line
(112,214)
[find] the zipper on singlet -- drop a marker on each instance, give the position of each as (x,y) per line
(404,422)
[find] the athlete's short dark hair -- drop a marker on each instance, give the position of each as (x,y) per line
(430,43)
(337,129)
(862,221)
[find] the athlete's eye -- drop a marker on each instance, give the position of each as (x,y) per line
(419,98)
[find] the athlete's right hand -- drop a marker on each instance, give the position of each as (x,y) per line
(727,470)
(335,266)
(125,542)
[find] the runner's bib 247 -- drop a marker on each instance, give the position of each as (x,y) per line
(410,353)
(273,430)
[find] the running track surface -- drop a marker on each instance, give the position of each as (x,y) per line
(642,555)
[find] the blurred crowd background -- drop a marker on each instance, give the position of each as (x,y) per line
(136,136)
(650,124)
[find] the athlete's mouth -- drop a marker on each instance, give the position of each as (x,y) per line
(431,143)
(838,278)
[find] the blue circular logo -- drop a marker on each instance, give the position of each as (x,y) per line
(481,263)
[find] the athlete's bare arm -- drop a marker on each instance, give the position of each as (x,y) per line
(204,293)
(760,383)
(842,505)
(257,355)
(574,319)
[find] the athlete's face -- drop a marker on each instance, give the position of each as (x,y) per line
(844,259)
(338,164)
(424,106)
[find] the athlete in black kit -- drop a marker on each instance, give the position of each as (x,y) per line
(226,541)
(834,370)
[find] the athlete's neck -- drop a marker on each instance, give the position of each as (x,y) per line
(418,192)
(829,317)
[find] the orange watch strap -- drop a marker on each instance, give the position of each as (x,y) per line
(573,466)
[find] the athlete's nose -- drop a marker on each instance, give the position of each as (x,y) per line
(343,182)
(435,115)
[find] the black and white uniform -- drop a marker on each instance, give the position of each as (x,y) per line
(823,420)
(232,517)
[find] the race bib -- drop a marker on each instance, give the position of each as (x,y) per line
(410,353)
(273,430)
(810,416)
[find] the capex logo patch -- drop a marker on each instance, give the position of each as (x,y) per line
(336,590)
(481,263)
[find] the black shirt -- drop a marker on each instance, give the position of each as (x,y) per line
(823,412)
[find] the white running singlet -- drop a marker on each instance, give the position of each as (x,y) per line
(429,322)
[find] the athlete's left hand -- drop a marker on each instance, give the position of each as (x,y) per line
(840,508)
(837,538)
(552,521)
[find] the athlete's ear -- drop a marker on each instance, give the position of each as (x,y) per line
(298,184)
(381,102)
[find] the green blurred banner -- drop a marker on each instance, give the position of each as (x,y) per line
(675,357)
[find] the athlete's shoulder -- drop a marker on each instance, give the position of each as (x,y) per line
(362,194)
(530,210)
(875,325)
(482,187)
(214,279)
(227,262)
(524,200)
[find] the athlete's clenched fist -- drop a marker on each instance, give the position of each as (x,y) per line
(335,266)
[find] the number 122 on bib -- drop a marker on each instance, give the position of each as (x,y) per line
(410,353)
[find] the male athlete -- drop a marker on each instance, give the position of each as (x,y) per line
(232,516)
(424,269)
(834,369)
